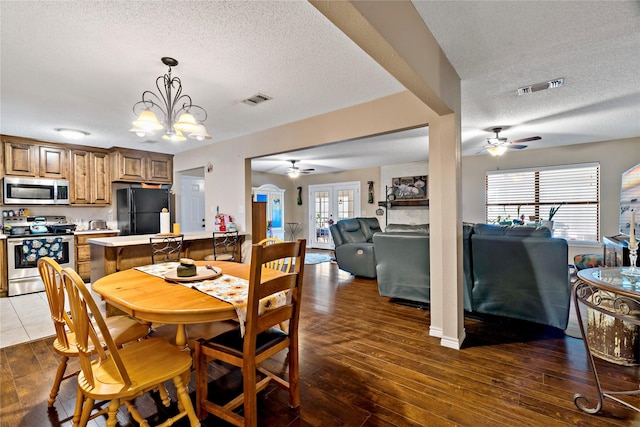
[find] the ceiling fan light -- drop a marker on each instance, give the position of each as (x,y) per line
(174,136)
(147,121)
(293,173)
(186,123)
(200,134)
(497,150)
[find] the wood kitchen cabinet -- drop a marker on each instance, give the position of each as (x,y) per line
(142,166)
(4,287)
(26,157)
(90,178)
(160,168)
(83,252)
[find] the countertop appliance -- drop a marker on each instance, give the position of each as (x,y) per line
(98,224)
(30,238)
(35,191)
(138,209)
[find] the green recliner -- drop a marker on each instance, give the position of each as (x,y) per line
(353,239)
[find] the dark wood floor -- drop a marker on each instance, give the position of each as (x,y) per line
(366,361)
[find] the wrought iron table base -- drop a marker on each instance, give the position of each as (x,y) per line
(622,304)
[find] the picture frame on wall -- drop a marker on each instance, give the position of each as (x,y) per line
(410,188)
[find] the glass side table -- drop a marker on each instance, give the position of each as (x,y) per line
(612,299)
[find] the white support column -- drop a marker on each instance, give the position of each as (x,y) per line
(447,313)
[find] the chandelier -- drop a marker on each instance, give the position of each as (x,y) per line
(180,115)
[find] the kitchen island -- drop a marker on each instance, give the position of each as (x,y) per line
(112,254)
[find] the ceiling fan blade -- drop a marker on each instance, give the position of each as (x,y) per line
(533,138)
(307,170)
(517,147)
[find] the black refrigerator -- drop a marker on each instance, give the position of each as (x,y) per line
(138,209)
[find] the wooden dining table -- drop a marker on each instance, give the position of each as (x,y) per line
(153,299)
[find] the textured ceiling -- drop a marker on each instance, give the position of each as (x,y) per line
(83,65)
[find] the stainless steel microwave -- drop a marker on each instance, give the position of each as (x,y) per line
(35,191)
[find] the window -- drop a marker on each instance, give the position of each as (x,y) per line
(532,192)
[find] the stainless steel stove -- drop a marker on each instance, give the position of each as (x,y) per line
(30,238)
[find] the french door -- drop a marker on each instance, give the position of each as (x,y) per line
(329,203)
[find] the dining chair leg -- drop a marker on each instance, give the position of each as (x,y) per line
(201,380)
(87,407)
(250,395)
(77,412)
(62,367)
(112,419)
(185,401)
(164,396)
(294,376)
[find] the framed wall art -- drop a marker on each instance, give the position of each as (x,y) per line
(410,188)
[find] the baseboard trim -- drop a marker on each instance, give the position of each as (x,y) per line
(454,343)
(435,332)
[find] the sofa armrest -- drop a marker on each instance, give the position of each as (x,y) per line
(403,265)
(357,258)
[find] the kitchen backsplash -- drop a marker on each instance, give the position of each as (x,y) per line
(77,215)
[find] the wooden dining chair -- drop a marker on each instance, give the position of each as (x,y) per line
(119,375)
(166,248)
(262,338)
(282,264)
(123,329)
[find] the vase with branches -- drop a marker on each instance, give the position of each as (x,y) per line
(553,210)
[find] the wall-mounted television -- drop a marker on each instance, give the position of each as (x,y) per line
(630,199)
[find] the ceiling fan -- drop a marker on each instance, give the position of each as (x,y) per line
(294,171)
(497,146)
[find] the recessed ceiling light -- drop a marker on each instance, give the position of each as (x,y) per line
(72,133)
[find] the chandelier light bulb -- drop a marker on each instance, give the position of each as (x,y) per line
(174,136)
(140,132)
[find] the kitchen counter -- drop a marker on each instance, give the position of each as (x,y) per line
(105,230)
(3,236)
(143,239)
(112,254)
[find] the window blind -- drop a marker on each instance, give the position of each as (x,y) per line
(511,194)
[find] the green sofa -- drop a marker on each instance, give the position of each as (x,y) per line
(512,271)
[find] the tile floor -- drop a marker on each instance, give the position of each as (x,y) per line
(25,318)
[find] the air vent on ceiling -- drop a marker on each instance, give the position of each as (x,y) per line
(551,84)
(256,99)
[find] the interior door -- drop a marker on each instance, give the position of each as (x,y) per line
(330,203)
(192,204)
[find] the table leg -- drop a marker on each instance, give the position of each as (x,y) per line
(181,336)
